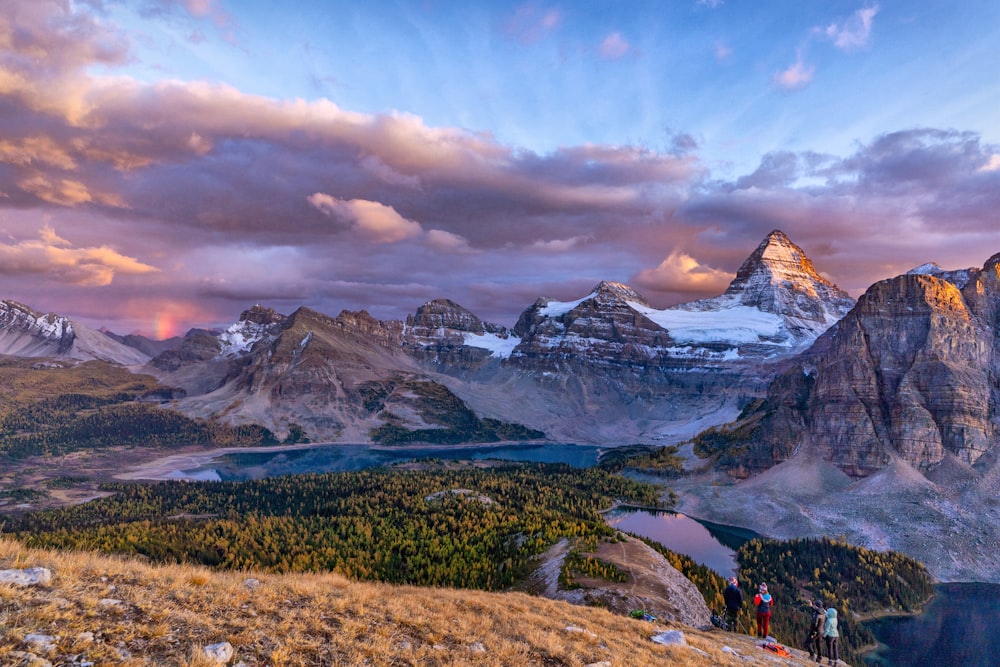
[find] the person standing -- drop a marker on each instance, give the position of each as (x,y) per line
(734,602)
(831,635)
(763,602)
(816,625)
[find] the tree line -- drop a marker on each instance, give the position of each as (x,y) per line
(380,524)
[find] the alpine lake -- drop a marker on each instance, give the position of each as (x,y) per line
(959,627)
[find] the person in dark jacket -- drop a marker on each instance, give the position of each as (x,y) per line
(763,601)
(734,602)
(816,624)
(831,635)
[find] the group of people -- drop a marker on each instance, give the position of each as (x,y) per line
(822,628)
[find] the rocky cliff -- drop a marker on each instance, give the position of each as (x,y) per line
(912,372)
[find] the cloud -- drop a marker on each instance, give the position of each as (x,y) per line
(680,272)
(374,166)
(853,33)
(993,164)
(375,221)
(447,242)
(796,76)
(37,150)
(530,24)
(56,258)
(614,47)
(559,245)
(67,192)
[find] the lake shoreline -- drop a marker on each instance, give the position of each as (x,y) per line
(168,467)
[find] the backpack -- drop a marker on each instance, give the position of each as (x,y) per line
(764,606)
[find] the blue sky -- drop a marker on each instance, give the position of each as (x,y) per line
(167,163)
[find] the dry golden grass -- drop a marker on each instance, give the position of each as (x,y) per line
(141,614)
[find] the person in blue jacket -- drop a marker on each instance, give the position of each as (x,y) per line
(831,635)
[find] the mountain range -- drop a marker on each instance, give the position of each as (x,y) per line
(606,368)
(876,420)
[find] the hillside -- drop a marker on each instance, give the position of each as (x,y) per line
(103,610)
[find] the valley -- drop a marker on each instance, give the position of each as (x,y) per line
(782,406)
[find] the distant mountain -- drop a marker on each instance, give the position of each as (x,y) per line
(27,333)
(602,368)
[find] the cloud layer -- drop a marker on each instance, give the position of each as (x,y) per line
(132,204)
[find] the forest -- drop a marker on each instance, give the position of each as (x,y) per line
(385,524)
(55,409)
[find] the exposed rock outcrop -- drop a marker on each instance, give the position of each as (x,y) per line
(911,372)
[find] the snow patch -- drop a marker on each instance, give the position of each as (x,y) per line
(558,308)
(733,325)
(498,347)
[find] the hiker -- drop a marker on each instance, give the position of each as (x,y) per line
(764,602)
(734,602)
(831,635)
(816,625)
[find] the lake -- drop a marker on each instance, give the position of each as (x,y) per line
(251,464)
(960,627)
(708,544)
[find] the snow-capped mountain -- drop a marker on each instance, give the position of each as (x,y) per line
(777,300)
(777,304)
(27,333)
(957,277)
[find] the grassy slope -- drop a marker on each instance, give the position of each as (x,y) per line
(167,613)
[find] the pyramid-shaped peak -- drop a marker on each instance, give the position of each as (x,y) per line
(779,278)
(776,260)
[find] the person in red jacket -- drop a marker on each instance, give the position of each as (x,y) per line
(763,601)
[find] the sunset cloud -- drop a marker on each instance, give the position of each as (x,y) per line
(529,24)
(680,272)
(56,258)
(375,221)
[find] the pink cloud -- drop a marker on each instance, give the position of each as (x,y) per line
(375,221)
(798,75)
(614,47)
(854,32)
(680,272)
(530,24)
(55,257)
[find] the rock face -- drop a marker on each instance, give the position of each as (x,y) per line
(910,373)
(452,340)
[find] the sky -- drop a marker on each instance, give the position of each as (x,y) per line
(167,164)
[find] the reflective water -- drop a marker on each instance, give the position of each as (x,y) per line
(244,465)
(708,544)
(960,627)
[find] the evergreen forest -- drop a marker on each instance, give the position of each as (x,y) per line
(385,524)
